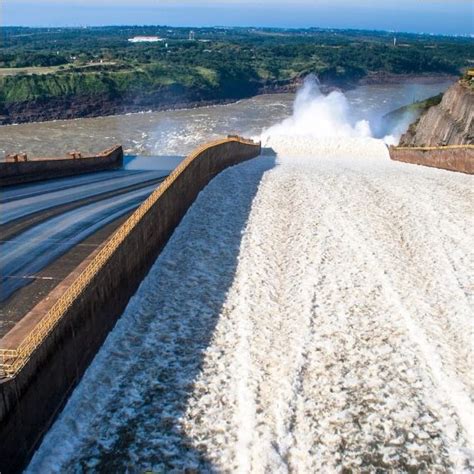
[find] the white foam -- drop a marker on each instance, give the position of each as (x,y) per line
(322,126)
(319,116)
(354,148)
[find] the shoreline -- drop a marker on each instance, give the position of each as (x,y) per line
(389,78)
(290,88)
(189,106)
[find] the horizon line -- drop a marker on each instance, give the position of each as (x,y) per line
(295,28)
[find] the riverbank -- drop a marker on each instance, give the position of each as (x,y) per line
(379,78)
(68,108)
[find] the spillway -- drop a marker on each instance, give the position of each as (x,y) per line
(40,222)
(311,313)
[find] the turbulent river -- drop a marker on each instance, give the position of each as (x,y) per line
(311,313)
(178,132)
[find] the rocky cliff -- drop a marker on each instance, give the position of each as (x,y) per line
(449,123)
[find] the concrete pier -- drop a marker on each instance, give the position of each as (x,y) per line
(453,158)
(18,169)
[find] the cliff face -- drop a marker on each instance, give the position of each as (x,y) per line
(449,123)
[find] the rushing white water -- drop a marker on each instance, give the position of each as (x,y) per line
(319,116)
(311,313)
(399,128)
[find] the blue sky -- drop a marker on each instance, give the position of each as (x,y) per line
(427,16)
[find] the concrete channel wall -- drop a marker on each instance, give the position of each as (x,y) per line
(453,158)
(39,169)
(45,355)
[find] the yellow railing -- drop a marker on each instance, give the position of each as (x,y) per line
(428,148)
(12,360)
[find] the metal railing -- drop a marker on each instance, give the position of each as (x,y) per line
(13,360)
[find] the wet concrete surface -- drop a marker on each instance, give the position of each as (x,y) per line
(14,308)
(15,227)
(44,244)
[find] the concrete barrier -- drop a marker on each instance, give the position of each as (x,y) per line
(453,158)
(18,169)
(44,356)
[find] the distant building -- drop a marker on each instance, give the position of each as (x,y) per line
(192,36)
(145,39)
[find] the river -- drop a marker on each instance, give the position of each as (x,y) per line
(177,132)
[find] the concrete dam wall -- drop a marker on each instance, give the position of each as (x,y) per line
(44,356)
(453,158)
(17,169)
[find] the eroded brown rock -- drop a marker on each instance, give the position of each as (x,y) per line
(449,123)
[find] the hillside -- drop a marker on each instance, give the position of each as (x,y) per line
(451,122)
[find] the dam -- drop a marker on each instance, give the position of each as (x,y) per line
(311,312)
(50,333)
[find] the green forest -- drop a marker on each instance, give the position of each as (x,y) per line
(38,65)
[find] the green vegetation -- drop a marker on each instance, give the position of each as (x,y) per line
(420,107)
(220,64)
(468,78)
(145,80)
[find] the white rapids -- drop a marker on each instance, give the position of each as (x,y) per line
(309,315)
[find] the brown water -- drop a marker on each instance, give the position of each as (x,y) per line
(179,131)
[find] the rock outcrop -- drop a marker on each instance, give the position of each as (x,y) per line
(449,123)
